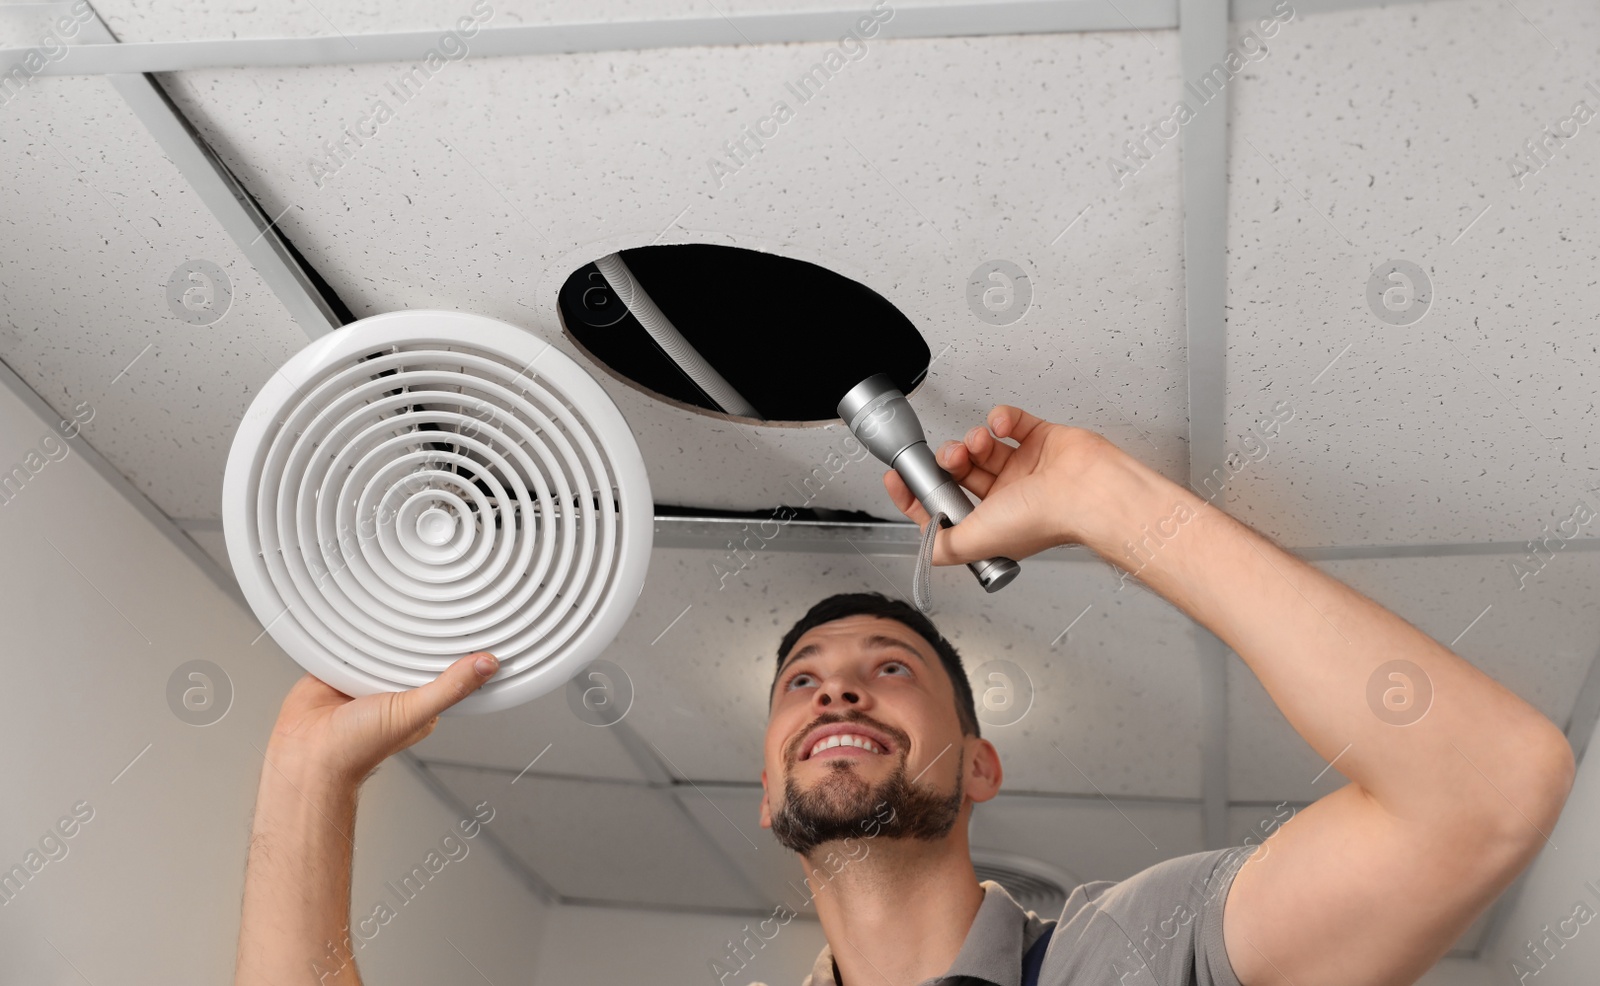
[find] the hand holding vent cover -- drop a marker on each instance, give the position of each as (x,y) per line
(421,485)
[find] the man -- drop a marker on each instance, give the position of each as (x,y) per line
(1369,885)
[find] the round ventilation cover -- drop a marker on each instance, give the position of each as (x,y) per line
(421,485)
(1033,883)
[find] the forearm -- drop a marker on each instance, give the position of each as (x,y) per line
(1315,644)
(294,928)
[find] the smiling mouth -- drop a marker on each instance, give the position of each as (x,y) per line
(845,745)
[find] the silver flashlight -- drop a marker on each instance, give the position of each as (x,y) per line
(882,419)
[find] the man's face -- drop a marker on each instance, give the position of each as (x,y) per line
(898,764)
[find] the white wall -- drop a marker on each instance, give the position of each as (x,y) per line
(1559,879)
(99,608)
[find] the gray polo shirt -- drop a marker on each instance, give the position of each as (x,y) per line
(1160,927)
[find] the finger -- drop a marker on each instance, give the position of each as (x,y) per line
(955,458)
(453,684)
(903,498)
(913,508)
(986,452)
(947,546)
(1013,422)
(423,733)
(311,690)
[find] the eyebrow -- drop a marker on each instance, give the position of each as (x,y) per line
(874,642)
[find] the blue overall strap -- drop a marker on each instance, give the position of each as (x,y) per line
(1032,961)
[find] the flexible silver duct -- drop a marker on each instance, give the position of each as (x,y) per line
(676,346)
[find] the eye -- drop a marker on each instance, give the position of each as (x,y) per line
(903,666)
(795,677)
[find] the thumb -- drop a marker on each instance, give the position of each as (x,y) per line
(453,684)
(957,545)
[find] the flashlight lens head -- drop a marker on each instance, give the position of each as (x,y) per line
(863,394)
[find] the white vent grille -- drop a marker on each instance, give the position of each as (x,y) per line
(1035,884)
(417,486)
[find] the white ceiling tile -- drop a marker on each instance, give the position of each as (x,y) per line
(731,818)
(494,183)
(1539,642)
(701,659)
(33,25)
(604,841)
(1093,840)
(97,219)
(1116,700)
(544,733)
(1253,824)
(1266,757)
(1118,695)
(1477,420)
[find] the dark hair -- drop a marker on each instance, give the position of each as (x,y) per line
(844,604)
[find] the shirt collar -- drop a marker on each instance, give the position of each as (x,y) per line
(991,952)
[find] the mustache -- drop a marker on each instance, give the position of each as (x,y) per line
(901,740)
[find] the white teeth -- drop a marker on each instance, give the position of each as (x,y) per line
(845,739)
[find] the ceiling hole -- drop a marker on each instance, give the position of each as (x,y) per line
(790,337)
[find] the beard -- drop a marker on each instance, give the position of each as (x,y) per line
(842,805)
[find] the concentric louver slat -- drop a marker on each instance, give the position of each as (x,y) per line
(421,485)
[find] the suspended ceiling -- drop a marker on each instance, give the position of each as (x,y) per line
(1361,136)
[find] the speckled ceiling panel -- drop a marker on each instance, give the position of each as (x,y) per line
(1115,703)
(96,221)
(1387,134)
(146,20)
(543,737)
(25,25)
(617,842)
(502,176)
(1538,641)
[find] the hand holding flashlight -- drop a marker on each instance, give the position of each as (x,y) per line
(879,415)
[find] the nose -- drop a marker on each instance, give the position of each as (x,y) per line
(839,692)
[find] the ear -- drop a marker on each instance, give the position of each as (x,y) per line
(766,814)
(983,770)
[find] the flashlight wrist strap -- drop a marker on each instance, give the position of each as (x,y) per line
(921,587)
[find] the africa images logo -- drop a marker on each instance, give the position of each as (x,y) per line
(852,47)
(451,47)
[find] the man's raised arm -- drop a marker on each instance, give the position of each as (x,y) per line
(295,925)
(1373,882)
